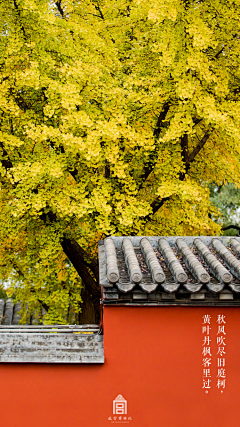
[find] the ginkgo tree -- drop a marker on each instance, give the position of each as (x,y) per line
(115,117)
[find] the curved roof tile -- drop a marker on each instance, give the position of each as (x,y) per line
(173,270)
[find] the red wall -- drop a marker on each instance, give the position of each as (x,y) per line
(153,358)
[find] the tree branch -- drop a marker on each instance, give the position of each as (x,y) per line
(18,270)
(188,159)
(75,254)
(107,170)
(148,168)
(196,121)
(219,53)
(58,3)
(157,204)
(160,120)
(184,147)
(44,305)
(99,10)
(19,17)
(235,227)
(7,164)
(87,260)
(97,7)
(196,150)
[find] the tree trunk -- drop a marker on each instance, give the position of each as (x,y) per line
(87,269)
(87,314)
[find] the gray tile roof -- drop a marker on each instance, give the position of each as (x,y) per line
(9,312)
(170,270)
(47,343)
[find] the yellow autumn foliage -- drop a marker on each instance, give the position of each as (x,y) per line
(115,117)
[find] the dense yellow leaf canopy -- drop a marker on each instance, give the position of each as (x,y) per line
(115,116)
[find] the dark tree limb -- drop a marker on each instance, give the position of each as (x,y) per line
(20,21)
(196,150)
(107,170)
(151,163)
(160,120)
(5,78)
(188,159)
(87,260)
(157,204)
(6,162)
(17,269)
(235,227)
(87,314)
(44,305)
(184,152)
(184,146)
(81,254)
(97,7)
(58,3)
(196,121)
(74,252)
(219,53)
